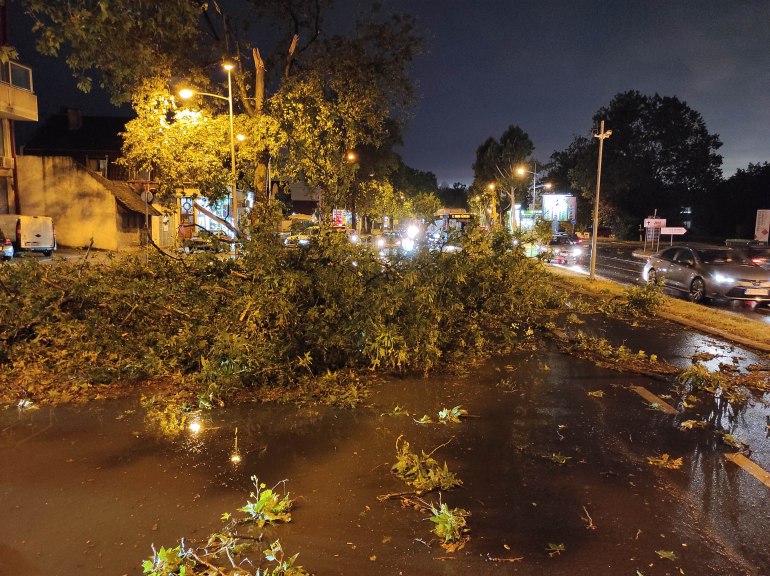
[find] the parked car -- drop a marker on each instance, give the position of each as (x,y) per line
(562,249)
(705,272)
(30,233)
(6,246)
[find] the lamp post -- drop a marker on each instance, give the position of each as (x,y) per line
(188,93)
(601,135)
(351,158)
(233,200)
(521,171)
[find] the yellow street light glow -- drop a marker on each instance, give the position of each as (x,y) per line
(235,457)
(351,156)
(491,185)
(521,171)
(195,426)
(240,137)
(186,93)
(227,65)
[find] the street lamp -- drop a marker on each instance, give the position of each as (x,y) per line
(602,135)
(521,171)
(188,93)
(351,158)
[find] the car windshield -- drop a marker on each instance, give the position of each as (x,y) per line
(723,257)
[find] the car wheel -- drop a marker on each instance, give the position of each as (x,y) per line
(698,291)
(652,276)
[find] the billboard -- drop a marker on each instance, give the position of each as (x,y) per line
(560,207)
(762,229)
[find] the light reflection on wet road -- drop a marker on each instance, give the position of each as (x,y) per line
(87,490)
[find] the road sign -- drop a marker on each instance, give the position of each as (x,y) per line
(654,222)
(674,231)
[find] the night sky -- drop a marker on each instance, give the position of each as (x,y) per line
(547,66)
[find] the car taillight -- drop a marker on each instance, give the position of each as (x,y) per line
(759,261)
(7,241)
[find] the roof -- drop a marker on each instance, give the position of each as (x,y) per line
(70,132)
(125,194)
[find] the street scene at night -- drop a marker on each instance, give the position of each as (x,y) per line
(353,287)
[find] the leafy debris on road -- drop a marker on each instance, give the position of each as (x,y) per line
(665,461)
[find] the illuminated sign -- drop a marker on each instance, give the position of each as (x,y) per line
(561,207)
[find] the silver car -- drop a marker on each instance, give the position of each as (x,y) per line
(706,272)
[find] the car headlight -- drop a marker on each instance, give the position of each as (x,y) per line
(577,251)
(407,244)
(380,243)
(722,279)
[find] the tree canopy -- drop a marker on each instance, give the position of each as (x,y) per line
(731,210)
(494,171)
(314,97)
(660,156)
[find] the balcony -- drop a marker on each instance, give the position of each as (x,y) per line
(17,98)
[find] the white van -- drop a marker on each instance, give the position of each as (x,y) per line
(32,233)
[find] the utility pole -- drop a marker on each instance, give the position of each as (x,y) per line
(601,135)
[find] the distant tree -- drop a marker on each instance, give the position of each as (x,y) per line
(413,182)
(660,156)
(455,196)
(731,211)
(496,162)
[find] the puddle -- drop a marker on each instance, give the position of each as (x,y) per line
(88,490)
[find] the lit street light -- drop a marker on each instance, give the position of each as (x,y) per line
(188,93)
(601,135)
(521,171)
(351,158)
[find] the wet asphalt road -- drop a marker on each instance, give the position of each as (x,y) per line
(623,262)
(88,490)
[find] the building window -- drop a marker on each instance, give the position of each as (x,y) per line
(21,76)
